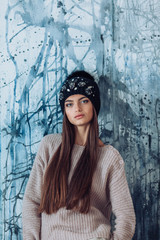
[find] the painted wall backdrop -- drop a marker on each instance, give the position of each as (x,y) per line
(42,41)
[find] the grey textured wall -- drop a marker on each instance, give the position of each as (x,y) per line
(119,43)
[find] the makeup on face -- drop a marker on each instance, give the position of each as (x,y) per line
(79,109)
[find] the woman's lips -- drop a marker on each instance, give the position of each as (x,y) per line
(79,116)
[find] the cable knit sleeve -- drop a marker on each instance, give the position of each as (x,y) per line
(121,201)
(31,220)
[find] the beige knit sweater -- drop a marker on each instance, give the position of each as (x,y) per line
(109,193)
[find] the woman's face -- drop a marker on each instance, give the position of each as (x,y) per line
(79,110)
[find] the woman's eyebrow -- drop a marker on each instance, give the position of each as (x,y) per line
(69,100)
(81,98)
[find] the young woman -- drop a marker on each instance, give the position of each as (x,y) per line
(77,181)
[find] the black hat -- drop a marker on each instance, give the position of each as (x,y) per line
(83,83)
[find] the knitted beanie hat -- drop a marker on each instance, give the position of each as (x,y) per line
(80,82)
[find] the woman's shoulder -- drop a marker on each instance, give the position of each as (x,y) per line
(108,148)
(52,138)
(111,155)
(48,146)
(50,141)
(112,149)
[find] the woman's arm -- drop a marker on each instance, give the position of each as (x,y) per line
(31,219)
(121,202)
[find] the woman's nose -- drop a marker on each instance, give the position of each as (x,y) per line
(77,107)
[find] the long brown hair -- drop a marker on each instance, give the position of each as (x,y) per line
(56,192)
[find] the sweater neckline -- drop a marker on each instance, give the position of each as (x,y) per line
(83,146)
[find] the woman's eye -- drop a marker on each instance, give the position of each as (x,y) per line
(85,101)
(68,104)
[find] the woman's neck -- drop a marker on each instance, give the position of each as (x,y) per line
(81,134)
